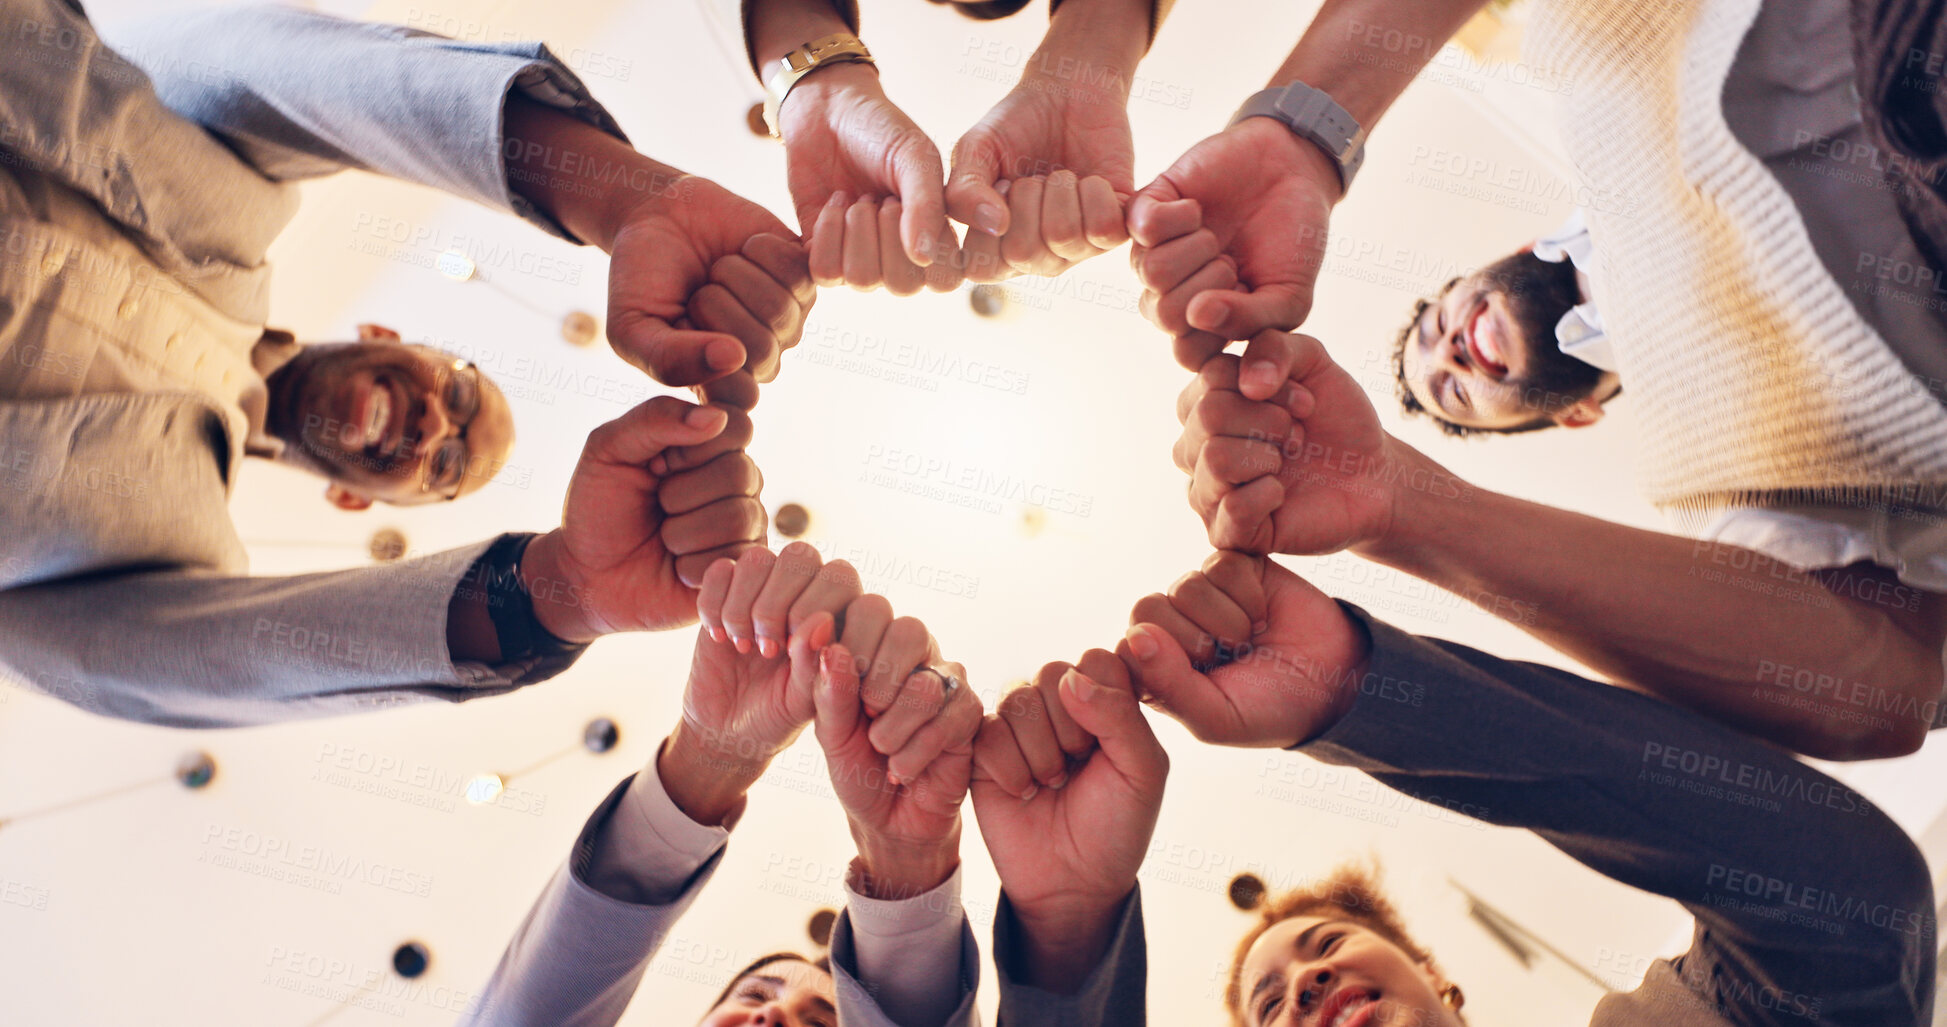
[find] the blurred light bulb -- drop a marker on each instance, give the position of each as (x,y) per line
(455,265)
(484,788)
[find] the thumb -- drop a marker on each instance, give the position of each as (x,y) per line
(1169,683)
(1157,214)
(1235,314)
(672,355)
(1122,734)
(970,194)
(657,424)
(835,696)
(922,221)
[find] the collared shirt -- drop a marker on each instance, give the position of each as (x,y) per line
(1579,333)
(908,950)
(94,314)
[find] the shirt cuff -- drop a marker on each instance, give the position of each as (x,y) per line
(650,843)
(907,951)
(928,915)
(1114,992)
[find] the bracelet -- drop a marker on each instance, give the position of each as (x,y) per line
(511,608)
(837,48)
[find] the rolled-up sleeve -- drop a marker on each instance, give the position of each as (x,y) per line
(300,94)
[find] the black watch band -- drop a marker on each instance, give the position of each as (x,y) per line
(520,635)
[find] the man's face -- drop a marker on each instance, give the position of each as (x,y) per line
(786,993)
(1483,354)
(388,422)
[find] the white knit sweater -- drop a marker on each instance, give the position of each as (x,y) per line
(1757,381)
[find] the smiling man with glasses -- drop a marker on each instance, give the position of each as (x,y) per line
(139,194)
(381,420)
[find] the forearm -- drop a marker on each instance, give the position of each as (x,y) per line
(1095,41)
(1722,630)
(773,28)
(1366,52)
(899,869)
(707,781)
(583,177)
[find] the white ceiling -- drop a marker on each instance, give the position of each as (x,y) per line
(135,910)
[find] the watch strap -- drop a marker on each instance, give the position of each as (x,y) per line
(1312,115)
(837,48)
(509,605)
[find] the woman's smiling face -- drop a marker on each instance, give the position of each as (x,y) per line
(1316,971)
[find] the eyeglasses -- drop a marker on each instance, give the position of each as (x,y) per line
(446,467)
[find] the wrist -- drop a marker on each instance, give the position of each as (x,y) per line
(1301,156)
(826,81)
(708,786)
(893,869)
(777,29)
(1091,47)
(583,177)
(560,605)
(1066,918)
(1423,493)
(1059,944)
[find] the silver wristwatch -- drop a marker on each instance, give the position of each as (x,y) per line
(837,48)
(1315,117)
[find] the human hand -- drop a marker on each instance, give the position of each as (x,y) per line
(1229,239)
(1244,652)
(1042,180)
(744,684)
(1068,781)
(867,185)
(705,285)
(1285,451)
(899,748)
(660,493)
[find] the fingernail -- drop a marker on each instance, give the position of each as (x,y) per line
(1033,790)
(894,779)
(988,218)
(925,244)
(1260,627)
(1058,783)
(743,645)
(717,634)
(1141,644)
(659,467)
(1216,313)
(1262,373)
(767,647)
(1081,684)
(701,417)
